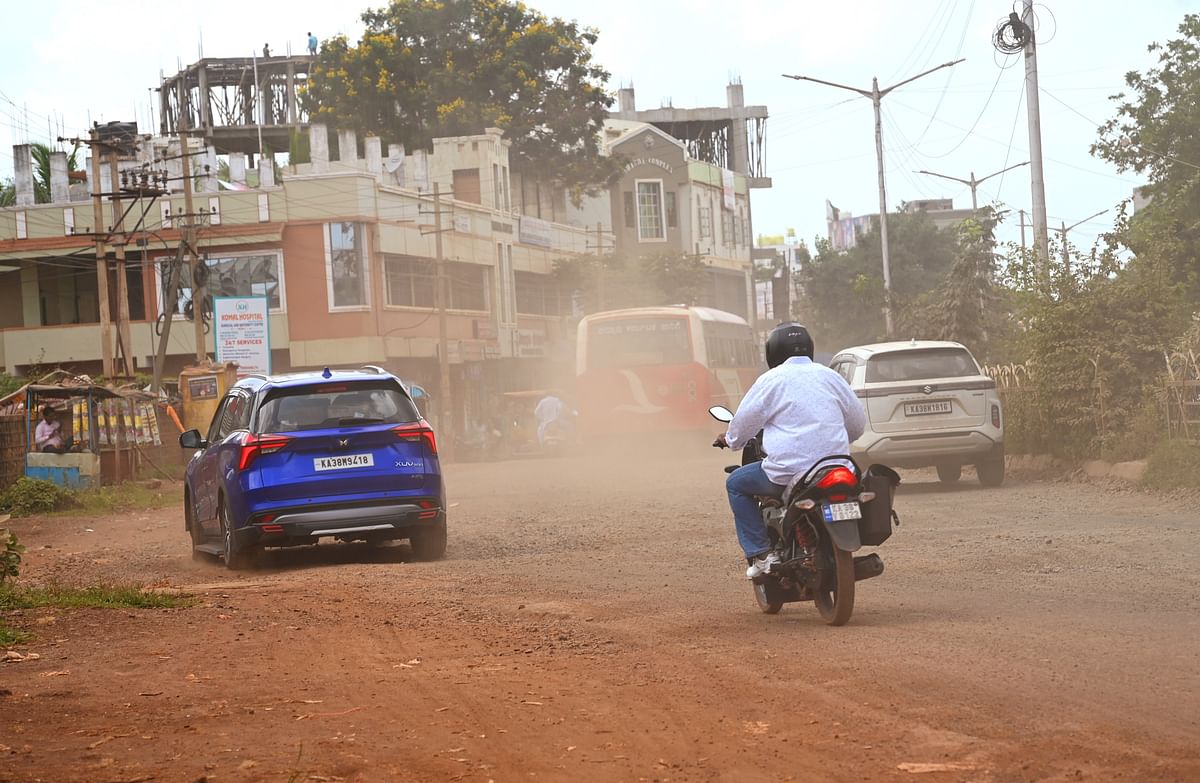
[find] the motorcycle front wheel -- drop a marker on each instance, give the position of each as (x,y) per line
(836,604)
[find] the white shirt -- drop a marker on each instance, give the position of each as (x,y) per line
(806,411)
(548,409)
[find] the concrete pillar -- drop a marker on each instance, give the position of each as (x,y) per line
(266,171)
(739,139)
(318,147)
(23,174)
(626,102)
(347,146)
(60,183)
(291,94)
(209,160)
(237,167)
(734,96)
(395,164)
(31,299)
(373,149)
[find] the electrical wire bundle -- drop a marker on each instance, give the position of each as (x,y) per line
(1012,35)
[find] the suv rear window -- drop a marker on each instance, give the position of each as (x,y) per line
(335,404)
(920,364)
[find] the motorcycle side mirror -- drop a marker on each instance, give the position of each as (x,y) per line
(721,413)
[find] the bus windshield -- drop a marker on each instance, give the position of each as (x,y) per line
(636,342)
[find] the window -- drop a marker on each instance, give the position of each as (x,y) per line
(672,217)
(636,342)
(410,281)
(249,274)
(730,345)
(630,211)
(920,364)
(706,227)
(726,228)
(233,415)
(468,286)
(538,294)
(844,368)
(738,226)
(328,405)
(650,211)
(347,268)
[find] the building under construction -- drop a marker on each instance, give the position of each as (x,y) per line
(238,104)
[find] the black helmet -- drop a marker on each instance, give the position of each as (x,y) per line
(787,340)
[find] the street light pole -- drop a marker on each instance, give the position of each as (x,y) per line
(973,183)
(1065,228)
(876,95)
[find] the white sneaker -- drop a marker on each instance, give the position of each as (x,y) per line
(762,565)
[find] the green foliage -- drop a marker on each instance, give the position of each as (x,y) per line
(10,637)
(1173,465)
(33,496)
(843,291)
(10,383)
(8,193)
(104,596)
(10,556)
(41,170)
(298,148)
(640,281)
(124,497)
(428,68)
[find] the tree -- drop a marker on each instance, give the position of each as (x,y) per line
(1156,133)
(611,282)
(843,290)
(8,193)
(429,68)
(41,170)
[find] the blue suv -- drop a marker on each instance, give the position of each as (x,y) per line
(291,459)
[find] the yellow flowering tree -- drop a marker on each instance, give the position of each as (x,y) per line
(430,68)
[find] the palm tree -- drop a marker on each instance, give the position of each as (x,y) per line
(41,170)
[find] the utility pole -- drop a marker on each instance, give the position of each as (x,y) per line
(1066,255)
(187,237)
(1041,235)
(876,95)
(1022,228)
(106,347)
(123,332)
(973,183)
(444,414)
(601,271)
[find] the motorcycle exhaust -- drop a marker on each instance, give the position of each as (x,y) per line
(867,567)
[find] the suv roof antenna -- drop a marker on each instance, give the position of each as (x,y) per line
(326,373)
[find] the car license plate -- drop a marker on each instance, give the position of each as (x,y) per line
(344,461)
(839,512)
(927,408)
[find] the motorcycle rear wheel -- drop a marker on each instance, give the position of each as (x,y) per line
(837,605)
(766,605)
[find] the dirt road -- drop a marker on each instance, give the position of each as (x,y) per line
(592,623)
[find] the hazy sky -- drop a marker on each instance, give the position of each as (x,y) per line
(64,63)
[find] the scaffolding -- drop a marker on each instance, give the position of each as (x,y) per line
(239,104)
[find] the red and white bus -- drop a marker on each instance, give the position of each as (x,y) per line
(659,369)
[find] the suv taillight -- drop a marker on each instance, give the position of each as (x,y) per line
(255,445)
(418,431)
(996,416)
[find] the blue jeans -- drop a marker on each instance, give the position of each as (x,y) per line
(743,485)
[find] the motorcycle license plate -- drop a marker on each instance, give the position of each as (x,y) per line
(839,512)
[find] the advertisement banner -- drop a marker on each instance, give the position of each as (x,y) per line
(242,333)
(728,191)
(534,231)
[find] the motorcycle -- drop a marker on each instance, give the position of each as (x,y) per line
(826,514)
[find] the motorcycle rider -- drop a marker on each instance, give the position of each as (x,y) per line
(805,411)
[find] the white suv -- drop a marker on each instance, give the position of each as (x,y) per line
(927,404)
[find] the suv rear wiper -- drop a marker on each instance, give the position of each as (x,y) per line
(353,421)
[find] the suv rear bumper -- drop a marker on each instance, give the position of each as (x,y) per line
(919,450)
(289,528)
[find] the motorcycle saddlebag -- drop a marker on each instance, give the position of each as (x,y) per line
(875,527)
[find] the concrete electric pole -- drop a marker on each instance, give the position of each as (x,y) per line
(440,297)
(876,95)
(973,183)
(1041,236)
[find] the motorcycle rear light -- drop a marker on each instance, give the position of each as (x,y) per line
(837,477)
(996,416)
(837,498)
(418,431)
(255,445)
(805,505)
